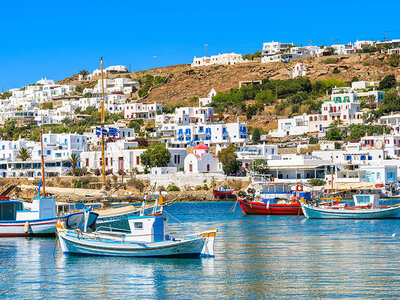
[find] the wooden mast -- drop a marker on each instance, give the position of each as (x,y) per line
(332,177)
(42,158)
(102,126)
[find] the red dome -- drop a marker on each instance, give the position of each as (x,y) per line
(201,147)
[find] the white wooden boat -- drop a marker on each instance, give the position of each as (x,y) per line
(366,207)
(41,220)
(147,238)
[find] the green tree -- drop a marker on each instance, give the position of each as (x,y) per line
(391,101)
(334,134)
(330,50)
(228,158)
(135,125)
(74,159)
(259,166)
(159,156)
(256,136)
(257,54)
(266,96)
(388,82)
(24,154)
(251,110)
(248,56)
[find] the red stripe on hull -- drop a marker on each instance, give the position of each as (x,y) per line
(258,208)
(27,235)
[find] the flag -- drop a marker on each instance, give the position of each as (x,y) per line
(113,131)
(101,131)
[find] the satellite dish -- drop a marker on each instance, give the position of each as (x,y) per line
(379,144)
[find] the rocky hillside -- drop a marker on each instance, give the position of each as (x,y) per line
(185,82)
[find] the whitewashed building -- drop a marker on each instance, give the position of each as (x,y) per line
(202,161)
(220,59)
(299,70)
(141,110)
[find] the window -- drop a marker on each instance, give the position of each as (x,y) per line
(138,225)
(362,157)
(208,168)
(48,152)
(87,162)
(369,157)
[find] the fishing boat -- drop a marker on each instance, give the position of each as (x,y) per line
(366,207)
(40,220)
(146,238)
(292,206)
(15,221)
(222,192)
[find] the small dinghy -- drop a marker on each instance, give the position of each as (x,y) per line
(147,238)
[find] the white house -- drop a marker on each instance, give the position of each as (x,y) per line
(220,59)
(202,161)
(208,99)
(141,110)
(299,70)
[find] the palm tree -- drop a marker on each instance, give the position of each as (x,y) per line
(24,154)
(74,160)
(84,72)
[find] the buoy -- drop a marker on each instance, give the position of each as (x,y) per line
(27,227)
(299,188)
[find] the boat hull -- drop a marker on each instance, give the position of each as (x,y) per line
(45,227)
(312,212)
(73,244)
(218,193)
(258,208)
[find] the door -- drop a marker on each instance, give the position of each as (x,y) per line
(120,163)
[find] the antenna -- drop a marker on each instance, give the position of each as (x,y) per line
(385,36)
(205,46)
(154,57)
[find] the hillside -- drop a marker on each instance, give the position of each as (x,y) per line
(185,82)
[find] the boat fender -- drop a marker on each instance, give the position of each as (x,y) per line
(27,227)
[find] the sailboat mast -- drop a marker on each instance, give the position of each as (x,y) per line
(332,178)
(42,158)
(102,126)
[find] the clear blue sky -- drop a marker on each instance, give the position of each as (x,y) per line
(56,39)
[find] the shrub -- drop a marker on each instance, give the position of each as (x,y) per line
(161,188)
(137,184)
(394,60)
(205,187)
(330,60)
(317,182)
(198,187)
(336,71)
(172,188)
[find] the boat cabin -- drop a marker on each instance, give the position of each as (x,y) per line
(41,208)
(367,200)
(9,209)
(149,228)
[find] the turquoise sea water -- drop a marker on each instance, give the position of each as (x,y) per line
(256,257)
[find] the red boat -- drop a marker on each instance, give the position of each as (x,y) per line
(222,192)
(260,208)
